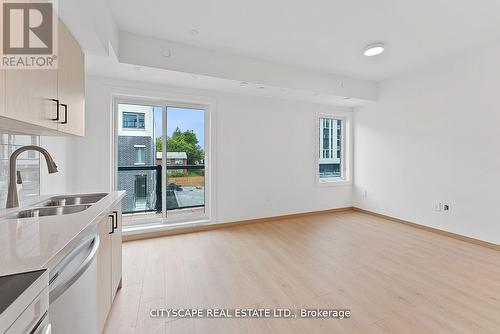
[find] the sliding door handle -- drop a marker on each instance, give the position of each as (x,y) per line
(112,224)
(57,109)
(116,221)
(65,106)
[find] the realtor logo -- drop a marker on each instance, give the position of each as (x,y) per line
(28,35)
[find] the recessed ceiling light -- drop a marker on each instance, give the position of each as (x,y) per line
(262,87)
(374,49)
(137,68)
(243,84)
(346,98)
(193,31)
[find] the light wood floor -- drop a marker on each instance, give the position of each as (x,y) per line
(394,278)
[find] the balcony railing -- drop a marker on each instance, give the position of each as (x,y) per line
(185,187)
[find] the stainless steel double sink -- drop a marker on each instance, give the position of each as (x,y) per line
(59,205)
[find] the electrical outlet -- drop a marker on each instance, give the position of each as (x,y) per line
(438,207)
(446,207)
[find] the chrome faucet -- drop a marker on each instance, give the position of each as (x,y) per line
(12,198)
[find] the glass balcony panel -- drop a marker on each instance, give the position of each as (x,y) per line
(141,185)
(185,188)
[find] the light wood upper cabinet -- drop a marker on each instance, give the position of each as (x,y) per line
(2,80)
(2,84)
(2,91)
(30,96)
(71,83)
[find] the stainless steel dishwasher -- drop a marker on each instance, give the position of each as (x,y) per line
(24,303)
(73,288)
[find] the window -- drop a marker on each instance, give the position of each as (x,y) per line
(140,155)
(331,164)
(179,162)
(132,120)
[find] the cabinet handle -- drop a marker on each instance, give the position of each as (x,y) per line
(57,108)
(65,106)
(116,213)
(112,224)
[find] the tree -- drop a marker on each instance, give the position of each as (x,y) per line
(159,144)
(183,141)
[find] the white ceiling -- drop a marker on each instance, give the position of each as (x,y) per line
(326,35)
(110,68)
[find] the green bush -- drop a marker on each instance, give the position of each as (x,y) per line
(196,172)
(175,173)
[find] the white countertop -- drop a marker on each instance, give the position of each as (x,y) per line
(37,243)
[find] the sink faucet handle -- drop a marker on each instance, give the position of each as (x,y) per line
(19,178)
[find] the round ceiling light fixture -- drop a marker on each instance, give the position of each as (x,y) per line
(374,49)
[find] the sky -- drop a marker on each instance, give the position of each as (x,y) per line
(184,118)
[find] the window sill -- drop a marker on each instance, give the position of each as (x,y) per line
(333,182)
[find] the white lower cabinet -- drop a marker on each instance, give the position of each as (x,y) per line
(103,273)
(109,263)
(116,253)
(71,84)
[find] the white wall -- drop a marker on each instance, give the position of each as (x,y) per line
(434,135)
(266,156)
(265,150)
(61,150)
(148,113)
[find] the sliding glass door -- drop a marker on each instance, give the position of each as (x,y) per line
(185,162)
(137,172)
(161,149)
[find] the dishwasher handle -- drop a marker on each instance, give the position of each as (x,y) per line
(58,289)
